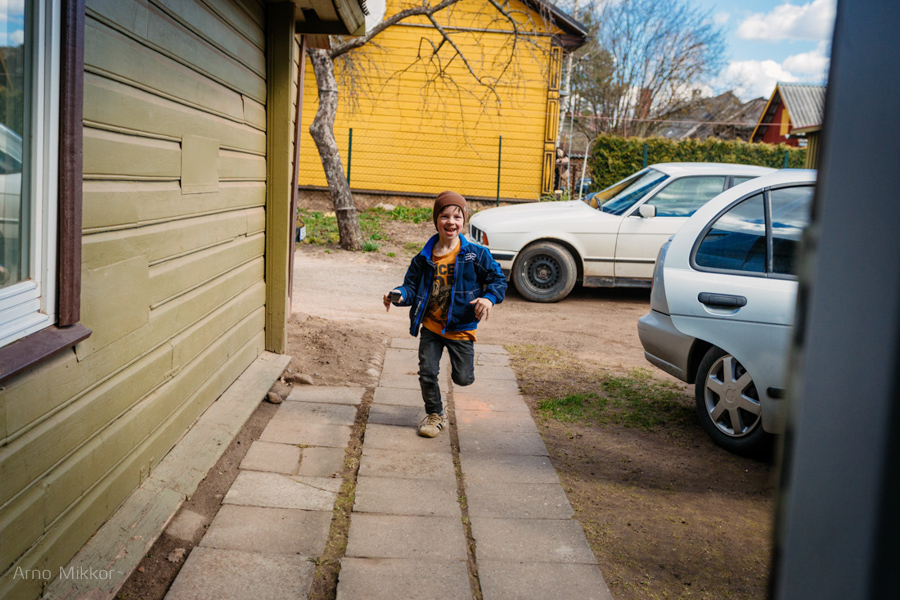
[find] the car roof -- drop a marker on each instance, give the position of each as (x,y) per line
(773,179)
(695,168)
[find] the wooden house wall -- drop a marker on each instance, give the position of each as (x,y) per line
(776,130)
(174,102)
(414,134)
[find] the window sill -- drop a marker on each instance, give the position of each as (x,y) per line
(37,347)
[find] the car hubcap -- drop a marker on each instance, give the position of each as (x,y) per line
(543,272)
(731,398)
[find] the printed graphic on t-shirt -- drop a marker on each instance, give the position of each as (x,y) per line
(441,286)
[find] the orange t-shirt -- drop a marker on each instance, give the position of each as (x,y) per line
(436,312)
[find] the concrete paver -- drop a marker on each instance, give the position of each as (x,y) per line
(513,468)
(329,394)
(491,386)
(310,434)
(501,423)
(315,412)
(273,490)
(390,536)
(497,401)
(401,416)
(407,465)
(321,462)
(388,437)
(514,581)
(276,458)
(398,396)
(403,579)
(496,373)
(506,500)
(390,496)
(531,540)
(235,575)
(483,359)
(269,530)
(485,441)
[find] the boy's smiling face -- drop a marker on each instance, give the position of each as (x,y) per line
(450,223)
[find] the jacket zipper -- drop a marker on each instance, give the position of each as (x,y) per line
(453,288)
(422,307)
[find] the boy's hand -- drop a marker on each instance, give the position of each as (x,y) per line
(398,296)
(482,308)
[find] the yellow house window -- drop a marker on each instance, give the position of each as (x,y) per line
(555,67)
(552,125)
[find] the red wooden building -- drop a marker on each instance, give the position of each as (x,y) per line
(792,107)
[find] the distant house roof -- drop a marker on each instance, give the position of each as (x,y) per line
(723,116)
(805,105)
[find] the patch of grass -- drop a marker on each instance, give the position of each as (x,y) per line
(391,254)
(322,229)
(569,389)
(410,214)
(414,247)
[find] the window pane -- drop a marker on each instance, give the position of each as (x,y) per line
(13,217)
(790,215)
(683,197)
(741,179)
(621,196)
(737,240)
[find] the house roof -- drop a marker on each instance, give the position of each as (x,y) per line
(805,103)
(575,31)
(805,106)
(723,116)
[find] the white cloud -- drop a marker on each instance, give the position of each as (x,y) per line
(753,78)
(721,18)
(17,37)
(12,7)
(811,21)
(813,63)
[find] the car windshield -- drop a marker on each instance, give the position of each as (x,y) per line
(619,197)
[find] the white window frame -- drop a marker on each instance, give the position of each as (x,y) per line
(30,305)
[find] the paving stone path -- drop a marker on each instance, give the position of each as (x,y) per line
(414,517)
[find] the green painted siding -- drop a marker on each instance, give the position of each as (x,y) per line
(172,282)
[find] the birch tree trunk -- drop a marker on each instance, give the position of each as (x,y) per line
(322,132)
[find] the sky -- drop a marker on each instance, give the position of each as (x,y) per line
(771,41)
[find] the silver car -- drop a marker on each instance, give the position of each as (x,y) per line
(722,306)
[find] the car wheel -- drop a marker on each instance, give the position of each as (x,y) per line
(728,405)
(544,272)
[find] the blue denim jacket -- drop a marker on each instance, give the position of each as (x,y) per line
(476,275)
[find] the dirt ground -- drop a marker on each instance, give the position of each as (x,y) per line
(667,513)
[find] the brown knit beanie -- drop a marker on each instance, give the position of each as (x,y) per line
(445,199)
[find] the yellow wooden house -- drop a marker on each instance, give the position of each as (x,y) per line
(145,264)
(417,133)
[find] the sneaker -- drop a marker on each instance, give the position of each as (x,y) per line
(432,425)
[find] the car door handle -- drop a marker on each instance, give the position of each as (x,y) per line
(722,300)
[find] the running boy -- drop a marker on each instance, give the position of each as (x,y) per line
(450,286)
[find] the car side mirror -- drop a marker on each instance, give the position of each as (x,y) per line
(648,211)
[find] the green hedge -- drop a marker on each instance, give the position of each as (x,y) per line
(614,158)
